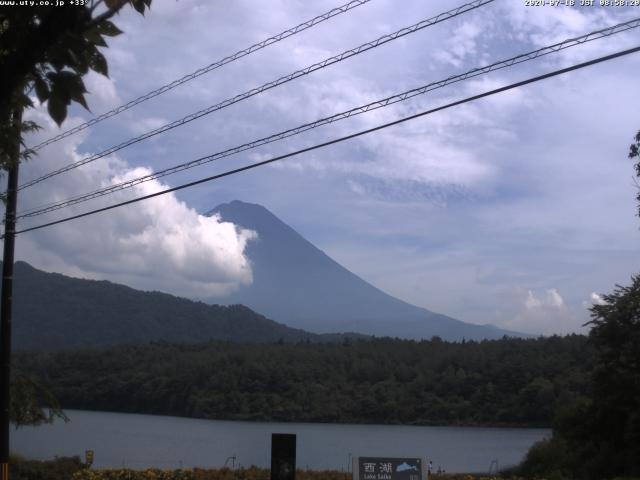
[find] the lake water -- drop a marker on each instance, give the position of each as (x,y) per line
(140,441)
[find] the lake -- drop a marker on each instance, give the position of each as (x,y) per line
(140,441)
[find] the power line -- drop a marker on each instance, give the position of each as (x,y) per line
(341,139)
(267,86)
(606,32)
(213,66)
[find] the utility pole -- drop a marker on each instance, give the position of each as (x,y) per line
(7,293)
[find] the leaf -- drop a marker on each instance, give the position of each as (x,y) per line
(79,97)
(57,108)
(42,89)
(69,86)
(77,51)
(98,63)
(29,126)
(82,66)
(59,88)
(70,80)
(108,28)
(138,5)
(26,101)
(56,56)
(31,403)
(76,63)
(95,38)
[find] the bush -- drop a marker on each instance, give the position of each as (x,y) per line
(545,459)
(62,468)
(252,473)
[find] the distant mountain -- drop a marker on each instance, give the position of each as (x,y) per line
(297,284)
(53,312)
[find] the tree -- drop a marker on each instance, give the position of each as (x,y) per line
(47,50)
(634,152)
(31,403)
(615,409)
(599,436)
(43,50)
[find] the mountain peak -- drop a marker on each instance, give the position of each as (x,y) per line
(238,206)
(251,216)
(296,283)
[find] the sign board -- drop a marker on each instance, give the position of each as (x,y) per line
(387,468)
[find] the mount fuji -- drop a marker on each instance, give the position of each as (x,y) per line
(296,283)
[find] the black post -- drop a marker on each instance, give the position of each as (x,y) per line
(283,456)
(5,308)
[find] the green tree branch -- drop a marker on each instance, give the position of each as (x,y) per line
(46,50)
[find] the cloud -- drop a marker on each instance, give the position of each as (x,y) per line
(460,45)
(594,299)
(356,187)
(159,244)
(546,25)
(144,125)
(102,94)
(550,299)
(539,312)
(463,212)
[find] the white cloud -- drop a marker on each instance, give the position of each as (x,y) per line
(156,244)
(356,188)
(542,26)
(460,45)
(144,125)
(594,299)
(551,299)
(540,312)
(102,94)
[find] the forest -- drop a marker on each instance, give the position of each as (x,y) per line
(585,387)
(507,382)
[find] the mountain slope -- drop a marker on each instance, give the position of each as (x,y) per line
(297,284)
(53,311)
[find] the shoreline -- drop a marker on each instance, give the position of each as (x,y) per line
(295,422)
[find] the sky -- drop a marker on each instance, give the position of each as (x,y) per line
(516,210)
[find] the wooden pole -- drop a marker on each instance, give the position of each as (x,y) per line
(7,294)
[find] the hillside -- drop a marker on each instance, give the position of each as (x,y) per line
(53,311)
